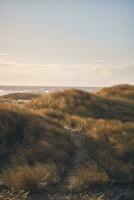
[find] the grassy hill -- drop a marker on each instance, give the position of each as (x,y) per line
(121,92)
(69,143)
(29,141)
(83,104)
(21,96)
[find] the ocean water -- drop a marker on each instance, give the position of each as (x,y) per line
(40,89)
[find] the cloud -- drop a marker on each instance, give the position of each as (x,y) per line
(13,63)
(97,72)
(105,72)
(3,54)
(20,64)
(103,64)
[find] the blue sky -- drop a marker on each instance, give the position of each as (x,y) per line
(66,42)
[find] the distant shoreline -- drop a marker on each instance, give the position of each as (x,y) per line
(40,89)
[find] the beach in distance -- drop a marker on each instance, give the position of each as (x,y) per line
(40,89)
(70,143)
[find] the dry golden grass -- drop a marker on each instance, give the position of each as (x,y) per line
(120,92)
(20,96)
(69,138)
(83,104)
(31,178)
(87,176)
(27,139)
(12,195)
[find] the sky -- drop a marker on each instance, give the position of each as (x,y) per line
(66,42)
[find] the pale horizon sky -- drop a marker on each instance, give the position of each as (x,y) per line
(66,42)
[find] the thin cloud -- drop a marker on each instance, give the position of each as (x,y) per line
(96,72)
(8,62)
(105,73)
(93,65)
(3,54)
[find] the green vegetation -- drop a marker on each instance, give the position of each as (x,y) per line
(69,142)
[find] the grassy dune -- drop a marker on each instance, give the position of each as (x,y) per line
(68,143)
(121,92)
(21,96)
(83,104)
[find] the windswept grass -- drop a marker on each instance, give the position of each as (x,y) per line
(21,96)
(33,178)
(12,195)
(28,144)
(83,104)
(121,92)
(68,141)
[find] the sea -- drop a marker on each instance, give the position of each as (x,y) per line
(40,89)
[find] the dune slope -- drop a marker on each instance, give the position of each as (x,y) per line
(69,141)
